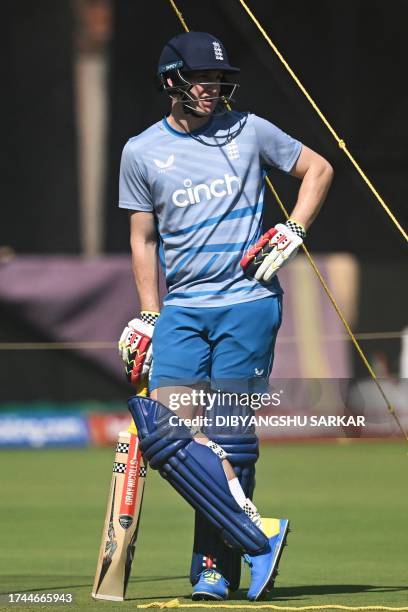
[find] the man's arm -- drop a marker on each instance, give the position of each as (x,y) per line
(316,175)
(280,244)
(144,245)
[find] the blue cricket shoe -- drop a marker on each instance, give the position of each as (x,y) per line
(264,567)
(211,585)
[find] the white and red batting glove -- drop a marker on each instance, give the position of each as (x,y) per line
(273,250)
(135,347)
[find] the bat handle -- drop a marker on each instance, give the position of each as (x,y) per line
(132,429)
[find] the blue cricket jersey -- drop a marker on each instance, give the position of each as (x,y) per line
(206,191)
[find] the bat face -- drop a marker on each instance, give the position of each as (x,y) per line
(121,521)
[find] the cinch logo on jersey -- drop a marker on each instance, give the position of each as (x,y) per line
(218,188)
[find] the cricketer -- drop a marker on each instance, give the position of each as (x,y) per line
(193,184)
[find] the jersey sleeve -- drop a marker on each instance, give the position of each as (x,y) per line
(276,148)
(134,192)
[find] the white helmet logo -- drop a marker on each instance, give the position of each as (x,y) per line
(218,51)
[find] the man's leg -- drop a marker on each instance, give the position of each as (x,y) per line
(182,354)
(211,556)
(195,470)
(243,338)
(241,445)
(179,352)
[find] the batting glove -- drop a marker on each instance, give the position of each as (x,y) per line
(135,347)
(273,250)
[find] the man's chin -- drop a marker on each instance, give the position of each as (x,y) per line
(207,111)
(204,111)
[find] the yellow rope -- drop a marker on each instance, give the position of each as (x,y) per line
(108,345)
(339,140)
(175,603)
(343,319)
(179,15)
(58,346)
(312,263)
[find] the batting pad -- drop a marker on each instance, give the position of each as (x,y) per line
(195,472)
(209,550)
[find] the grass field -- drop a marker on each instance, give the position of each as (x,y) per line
(347,502)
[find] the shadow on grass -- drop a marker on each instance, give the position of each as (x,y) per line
(43,583)
(21,583)
(303,591)
(298,592)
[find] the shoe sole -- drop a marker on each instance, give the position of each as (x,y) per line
(202,595)
(269,582)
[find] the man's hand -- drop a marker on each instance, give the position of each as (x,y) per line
(135,348)
(272,251)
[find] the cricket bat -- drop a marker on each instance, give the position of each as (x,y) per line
(122,519)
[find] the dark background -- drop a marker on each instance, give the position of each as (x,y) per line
(350,54)
(38,162)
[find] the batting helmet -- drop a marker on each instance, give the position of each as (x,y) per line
(194,51)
